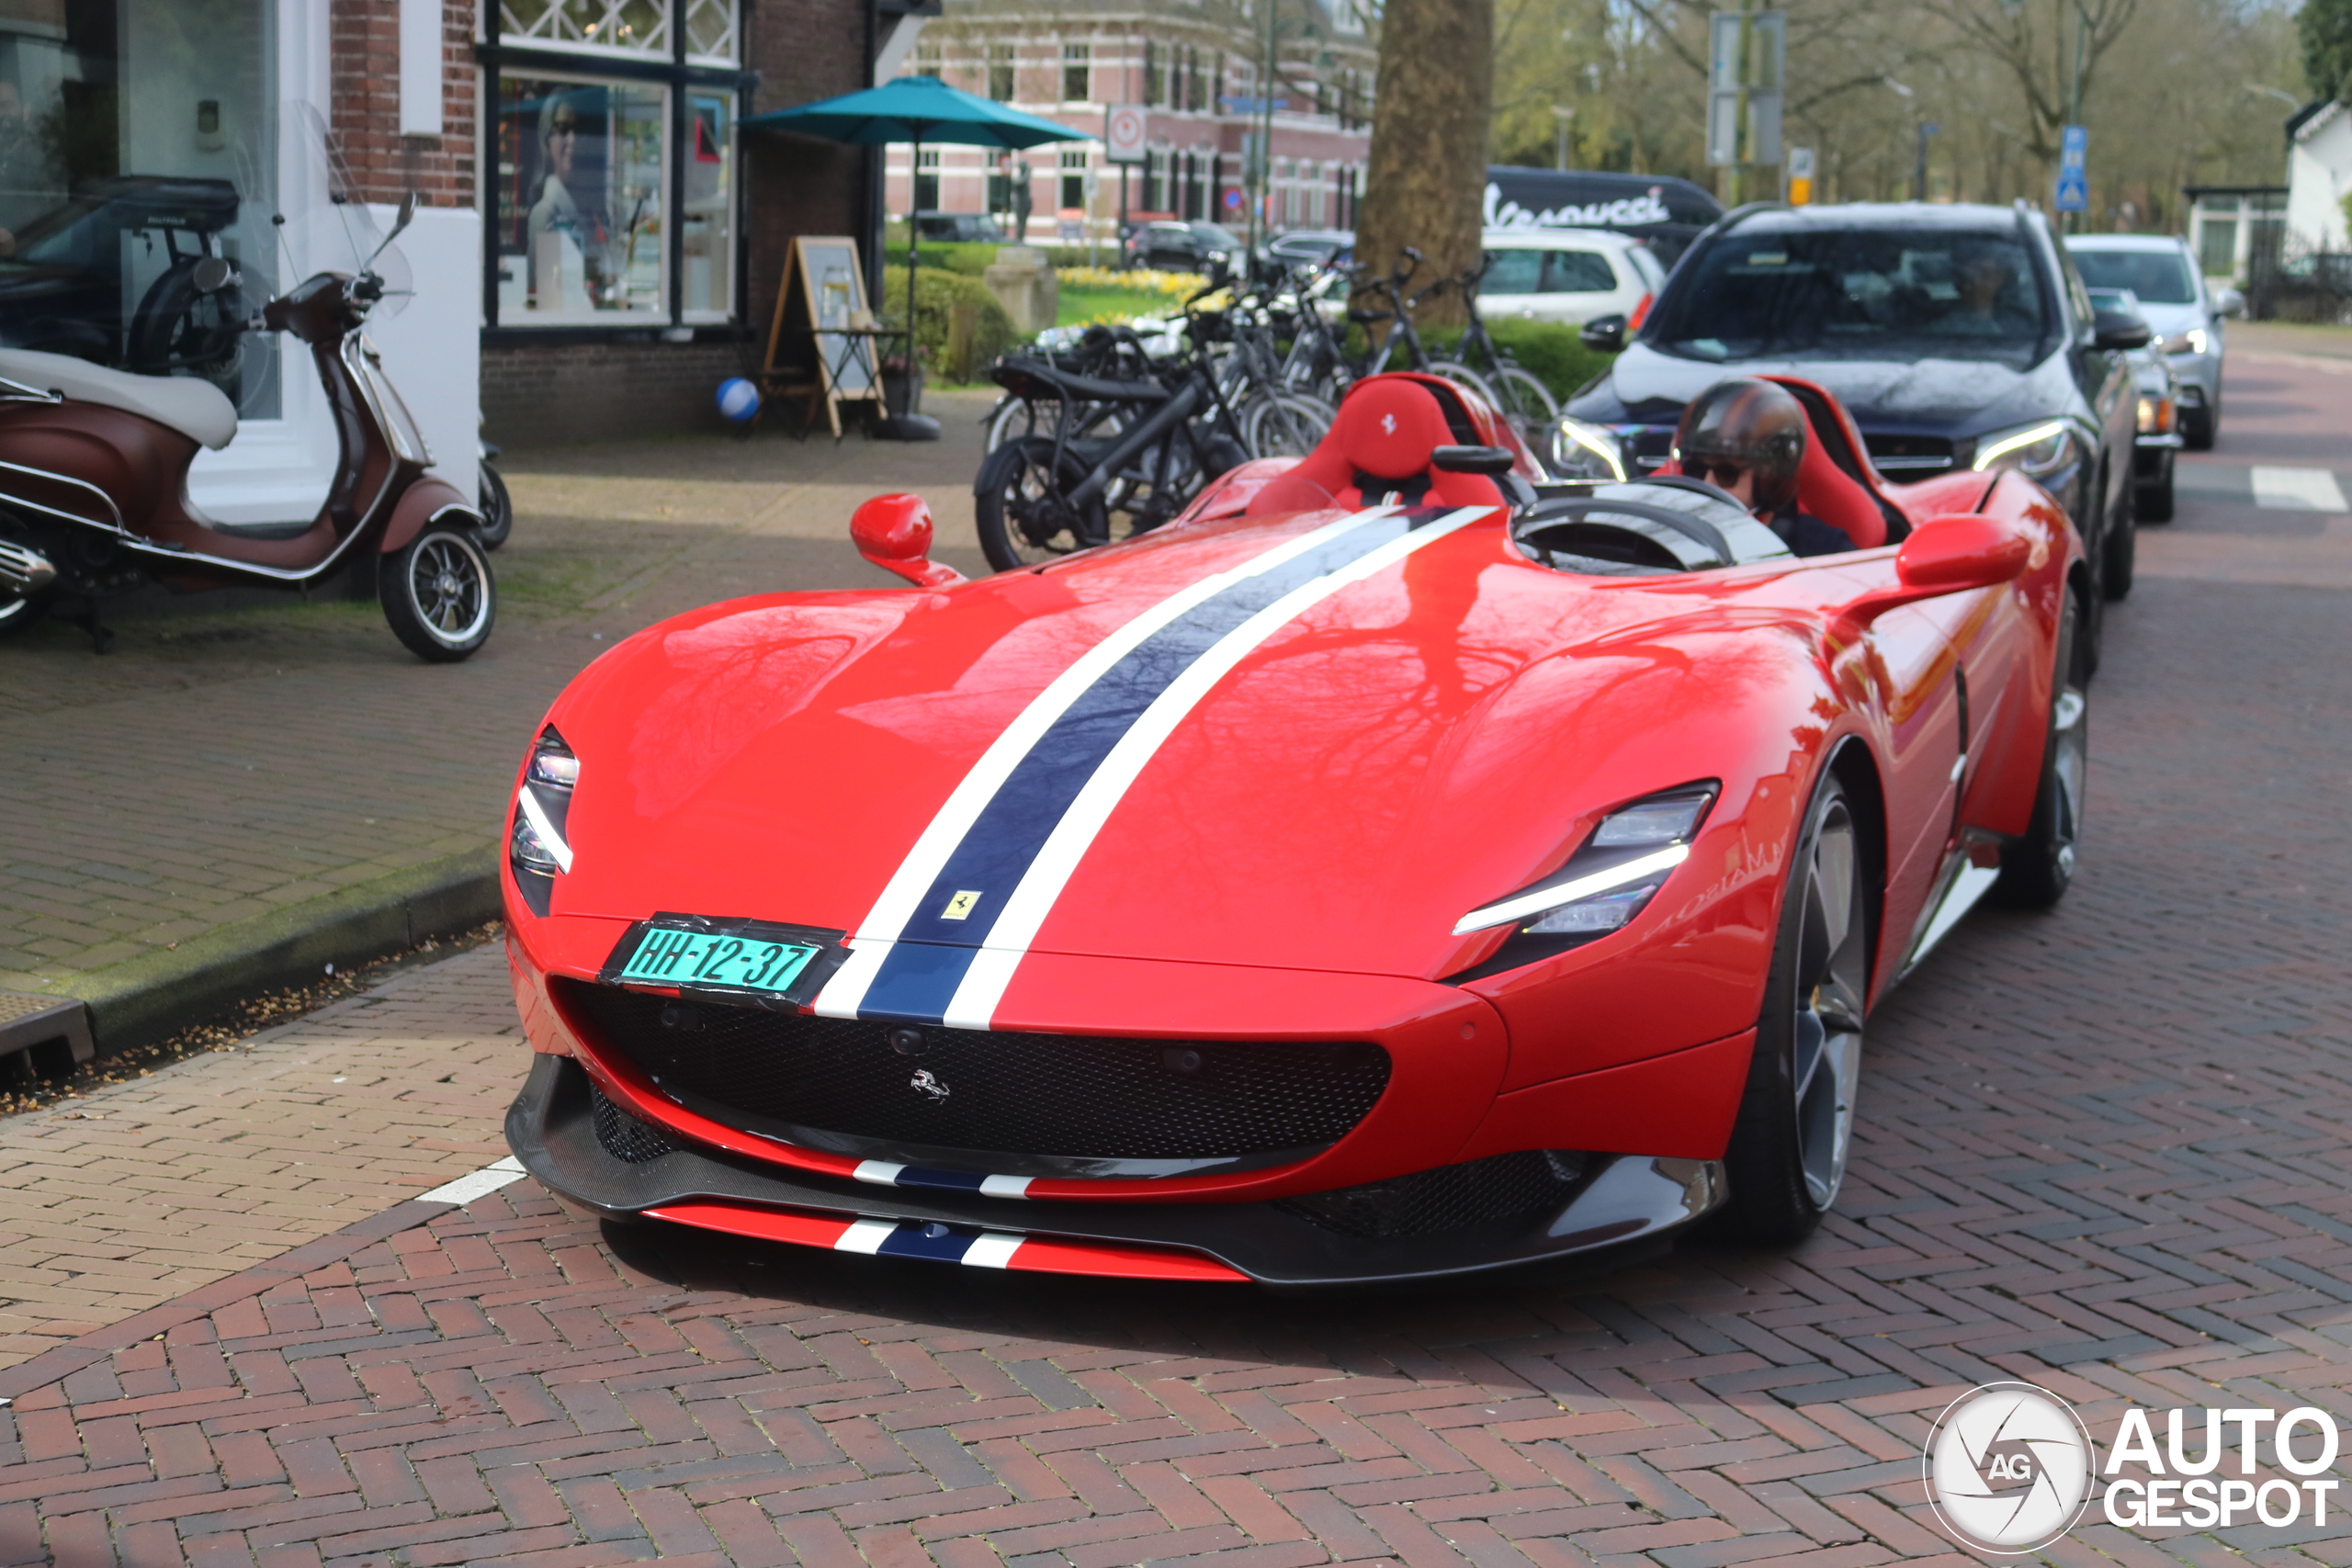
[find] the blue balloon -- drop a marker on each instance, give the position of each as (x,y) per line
(738,399)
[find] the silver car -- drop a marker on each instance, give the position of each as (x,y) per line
(2188,317)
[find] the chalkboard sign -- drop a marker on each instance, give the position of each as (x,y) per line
(824,292)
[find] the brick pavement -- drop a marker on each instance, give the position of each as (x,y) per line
(134,1195)
(224,764)
(2101,1149)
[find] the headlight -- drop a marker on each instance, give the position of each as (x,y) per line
(1610,880)
(2193,341)
(537,849)
(1581,451)
(2033,450)
(2155,415)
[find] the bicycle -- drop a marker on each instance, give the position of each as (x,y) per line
(1518,395)
(1400,311)
(1038,498)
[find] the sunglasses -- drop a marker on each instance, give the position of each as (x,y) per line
(1724,474)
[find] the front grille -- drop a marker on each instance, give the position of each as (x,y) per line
(1450,1198)
(1061,1096)
(1910,456)
(624,1136)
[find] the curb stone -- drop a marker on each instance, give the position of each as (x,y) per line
(146,998)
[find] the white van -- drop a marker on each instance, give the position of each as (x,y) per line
(1567,274)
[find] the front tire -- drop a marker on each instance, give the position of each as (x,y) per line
(1018,507)
(2120,549)
(2037,868)
(497,509)
(438,593)
(1790,1144)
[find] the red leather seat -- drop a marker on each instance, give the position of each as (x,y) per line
(1378,450)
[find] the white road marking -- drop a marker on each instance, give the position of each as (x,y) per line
(476,1184)
(2298,489)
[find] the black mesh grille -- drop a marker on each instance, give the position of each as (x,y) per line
(622,1136)
(1910,456)
(1450,1198)
(1062,1095)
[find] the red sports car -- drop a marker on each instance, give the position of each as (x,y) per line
(1401,866)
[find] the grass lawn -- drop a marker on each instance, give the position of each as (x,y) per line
(1079,306)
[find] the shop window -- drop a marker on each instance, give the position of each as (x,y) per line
(137,139)
(1001,73)
(579,197)
(1077,61)
(611,200)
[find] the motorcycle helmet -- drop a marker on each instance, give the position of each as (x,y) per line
(1745,425)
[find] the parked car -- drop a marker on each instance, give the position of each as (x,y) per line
(2160,403)
(1173,246)
(1568,274)
(1959,335)
(2186,313)
(970,228)
(1313,247)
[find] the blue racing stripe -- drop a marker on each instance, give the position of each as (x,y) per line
(941,1243)
(920,976)
(951,1180)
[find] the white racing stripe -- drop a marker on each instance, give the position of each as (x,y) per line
(882,1173)
(994,1249)
(865,1235)
(1025,909)
(871,942)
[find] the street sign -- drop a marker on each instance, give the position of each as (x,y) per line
(1233,200)
(2074,187)
(1800,176)
(1758,70)
(1123,134)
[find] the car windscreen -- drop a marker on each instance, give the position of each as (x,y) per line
(2157,278)
(1216,236)
(1857,294)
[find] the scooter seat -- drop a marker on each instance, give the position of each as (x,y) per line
(197,409)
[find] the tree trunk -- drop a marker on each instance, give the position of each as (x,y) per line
(1425,179)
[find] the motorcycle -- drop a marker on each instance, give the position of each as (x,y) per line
(94,465)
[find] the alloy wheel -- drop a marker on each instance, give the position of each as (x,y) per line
(1832,980)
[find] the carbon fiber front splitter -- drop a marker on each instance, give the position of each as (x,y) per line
(1620,1199)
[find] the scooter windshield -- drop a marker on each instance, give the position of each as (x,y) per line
(344,231)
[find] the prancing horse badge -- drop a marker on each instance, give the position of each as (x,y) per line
(928,1085)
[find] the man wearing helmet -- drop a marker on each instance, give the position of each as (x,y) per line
(1748,437)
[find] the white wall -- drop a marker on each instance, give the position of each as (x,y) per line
(2319,175)
(433,348)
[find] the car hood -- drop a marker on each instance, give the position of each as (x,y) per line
(1417,743)
(2169,320)
(1957,398)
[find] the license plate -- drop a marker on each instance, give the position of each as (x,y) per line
(714,961)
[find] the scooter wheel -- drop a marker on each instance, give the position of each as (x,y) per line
(497,509)
(439,595)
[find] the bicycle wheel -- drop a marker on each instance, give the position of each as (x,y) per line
(1461,375)
(1527,403)
(1017,506)
(1279,424)
(1010,420)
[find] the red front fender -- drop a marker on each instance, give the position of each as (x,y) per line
(423,501)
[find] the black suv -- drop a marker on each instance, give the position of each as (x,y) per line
(1959,336)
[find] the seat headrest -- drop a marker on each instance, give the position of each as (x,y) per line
(1388,428)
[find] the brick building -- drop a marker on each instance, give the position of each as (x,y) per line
(1195,68)
(595,246)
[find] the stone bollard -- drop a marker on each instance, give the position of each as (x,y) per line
(1024,284)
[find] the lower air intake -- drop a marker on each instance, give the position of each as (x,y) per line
(624,1136)
(1087,1096)
(1450,1198)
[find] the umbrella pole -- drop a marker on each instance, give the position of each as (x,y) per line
(914,240)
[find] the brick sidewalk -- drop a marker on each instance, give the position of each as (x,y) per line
(2102,1150)
(223,765)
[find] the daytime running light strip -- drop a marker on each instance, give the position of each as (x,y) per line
(2031,437)
(1542,898)
(545,829)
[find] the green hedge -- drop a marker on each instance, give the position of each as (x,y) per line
(1548,350)
(937,296)
(965,259)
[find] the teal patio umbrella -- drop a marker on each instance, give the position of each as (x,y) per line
(918,109)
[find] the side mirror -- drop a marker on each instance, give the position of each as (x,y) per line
(894,533)
(2229,302)
(1603,334)
(1943,555)
(407,214)
(2118,330)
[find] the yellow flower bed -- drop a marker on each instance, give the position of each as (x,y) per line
(1173,287)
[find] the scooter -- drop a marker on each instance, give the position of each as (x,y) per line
(94,465)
